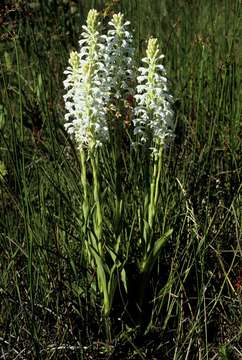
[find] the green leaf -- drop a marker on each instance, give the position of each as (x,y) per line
(124,280)
(149,261)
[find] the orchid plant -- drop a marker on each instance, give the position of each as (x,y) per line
(101,80)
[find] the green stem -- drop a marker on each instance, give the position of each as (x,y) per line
(151,210)
(158,176)
(96,237)
(154,187)
(118,188)
(85,204)
(146,180)
(98,218)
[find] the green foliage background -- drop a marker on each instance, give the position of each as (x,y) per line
(49,304)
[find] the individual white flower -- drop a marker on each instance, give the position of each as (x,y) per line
(153,120)
(85,99)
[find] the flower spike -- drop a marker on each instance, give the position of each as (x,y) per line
(153,114)
(85,100)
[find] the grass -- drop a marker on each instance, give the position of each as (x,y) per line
(50,306)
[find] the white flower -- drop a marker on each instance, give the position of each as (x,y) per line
(119,57)
(153,119)
(85,98)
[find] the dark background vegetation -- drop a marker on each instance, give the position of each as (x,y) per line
(48,309)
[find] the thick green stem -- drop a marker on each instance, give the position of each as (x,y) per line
(96,237)
(151,249)
(98,218)
(157,185)
(154,187)
(118,188)
(85,204)
(152,194)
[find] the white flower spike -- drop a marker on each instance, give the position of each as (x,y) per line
(85,98)
(153,119)
(119,57)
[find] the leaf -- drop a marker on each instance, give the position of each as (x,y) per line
(149,261)
(124,280)
(102,269)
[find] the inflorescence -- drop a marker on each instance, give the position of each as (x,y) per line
(102,73)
